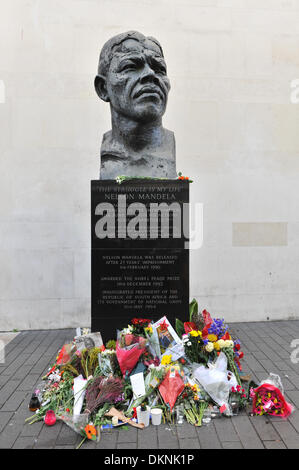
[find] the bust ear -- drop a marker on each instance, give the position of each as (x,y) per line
(101,88)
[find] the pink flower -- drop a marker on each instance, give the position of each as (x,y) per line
(50,418)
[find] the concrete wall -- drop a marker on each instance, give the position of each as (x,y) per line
(231,63)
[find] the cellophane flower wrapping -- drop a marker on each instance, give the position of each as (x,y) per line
(105,364)
(77,423)
(128,356)
(79,394)
(268,398)
(217,380)
(171,387)
(65,354)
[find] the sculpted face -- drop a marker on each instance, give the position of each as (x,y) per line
(137,84)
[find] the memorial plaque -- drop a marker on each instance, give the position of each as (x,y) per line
(140,255)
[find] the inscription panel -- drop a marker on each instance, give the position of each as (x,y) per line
(146,276)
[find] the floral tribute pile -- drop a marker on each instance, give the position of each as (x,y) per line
(192,372)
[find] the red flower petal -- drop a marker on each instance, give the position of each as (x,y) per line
(189,326)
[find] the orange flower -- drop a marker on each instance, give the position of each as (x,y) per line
(183,177)
(90,431)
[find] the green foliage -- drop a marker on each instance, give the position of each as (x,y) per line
(231,365)
(195,316)
(195,350)
(111,344)
(193,309)
(89,361)
(70,368)
(179,326)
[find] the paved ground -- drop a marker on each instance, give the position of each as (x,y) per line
(266,349)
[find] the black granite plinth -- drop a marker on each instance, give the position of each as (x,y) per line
(140,255)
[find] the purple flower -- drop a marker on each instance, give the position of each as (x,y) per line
(218,327)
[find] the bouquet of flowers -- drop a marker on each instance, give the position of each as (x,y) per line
(237,398)
(171,387)
(139,326)
(129,355)
(103,390)
(193,403)
(107,362)
(268,398)
(153,378)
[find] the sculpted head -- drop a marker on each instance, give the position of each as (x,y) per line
(132,76)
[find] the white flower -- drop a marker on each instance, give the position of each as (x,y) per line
(159,367)
(108,351)
(54,377)
(209,347)
(221,343)
(229,343)
(189,343)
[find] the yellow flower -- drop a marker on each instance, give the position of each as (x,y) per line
(212,338)
(199,333)
(166,359)
(149,329)
(194,333)
(216,346)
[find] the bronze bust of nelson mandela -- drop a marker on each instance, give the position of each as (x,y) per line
(132,77)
